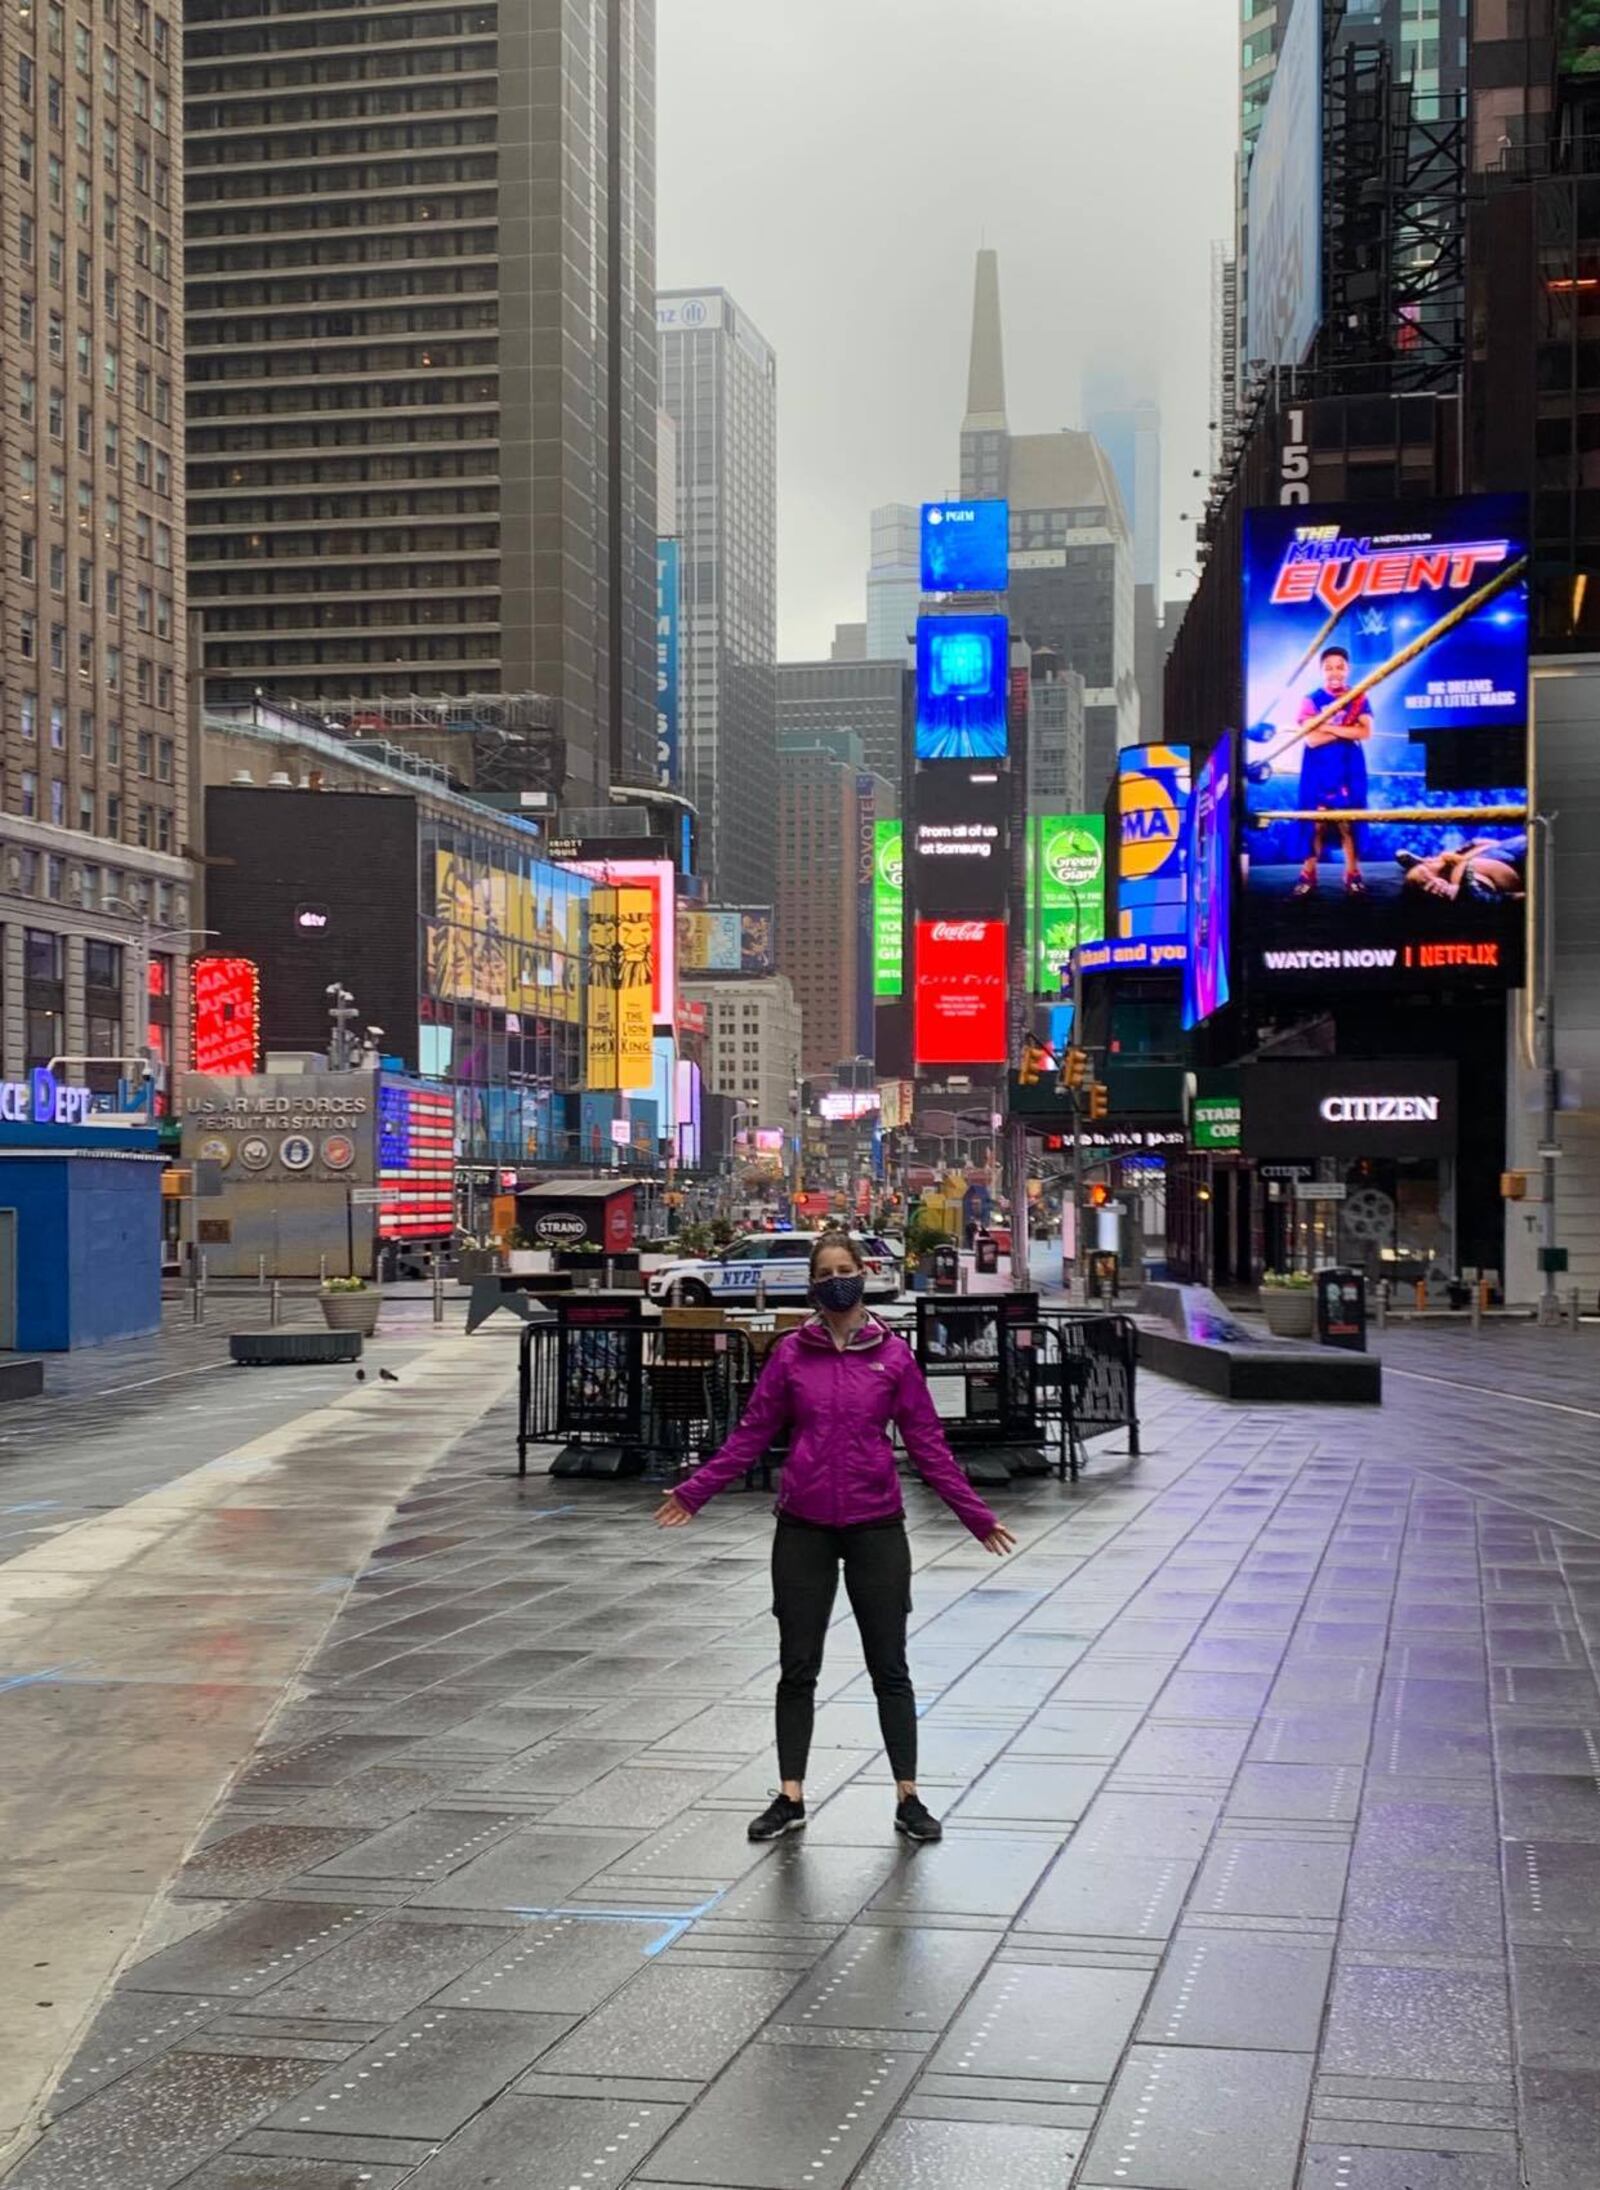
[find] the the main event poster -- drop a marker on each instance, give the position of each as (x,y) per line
(1385,752)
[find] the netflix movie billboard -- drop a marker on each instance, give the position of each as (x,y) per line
(961,992)
(1385,756)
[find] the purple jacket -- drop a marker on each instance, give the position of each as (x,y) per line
(839,1405)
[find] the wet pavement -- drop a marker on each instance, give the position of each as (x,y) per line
(1271,1772)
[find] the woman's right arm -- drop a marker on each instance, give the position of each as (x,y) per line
(768,1413)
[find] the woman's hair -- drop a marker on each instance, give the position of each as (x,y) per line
(835,1239)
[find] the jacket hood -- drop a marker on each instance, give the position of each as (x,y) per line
(815,1333)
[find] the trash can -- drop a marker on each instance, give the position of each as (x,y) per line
(944,1270)
(1342,1309)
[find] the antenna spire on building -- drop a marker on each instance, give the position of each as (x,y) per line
(986,380)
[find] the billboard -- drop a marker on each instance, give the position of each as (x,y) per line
(621,938)
(961,992)
(866,870)
(1153,852)
(1284,202)
(1578,38)
(226,1014)
(888,907)
(959,844)
(1066,892)
(966,547)
(1324,1106)
(1206,985)
(962,685)
(1385,763)
(668,610)
(660,878)
(734,939)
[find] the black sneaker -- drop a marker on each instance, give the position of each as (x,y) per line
(915,1821)
(780,1816)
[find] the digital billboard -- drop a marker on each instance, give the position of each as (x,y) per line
(866,873)
(1578,38)
(660,878)
(1385,760)
(959,844)
(966,547)
(668,671)
(961,992)
(1066,892)
(1284,202)
(725,939)
(1206,985)
(1153,854)
(888,907)
(226,1014)
(962,683)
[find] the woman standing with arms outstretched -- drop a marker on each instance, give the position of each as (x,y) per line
(837,1385)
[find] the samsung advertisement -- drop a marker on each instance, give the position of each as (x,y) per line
(966,547)
(1385,761)
(962,683)
(960,843)
(1206,986)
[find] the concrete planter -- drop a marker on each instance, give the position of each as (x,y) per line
(351,1311)
(1291,1311)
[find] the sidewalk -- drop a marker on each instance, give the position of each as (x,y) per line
(1271,1775)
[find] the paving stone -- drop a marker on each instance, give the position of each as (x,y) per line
(1312,1737)
(1110,1896)
(1557,2008)
(1528,1748)
(1197,2118)
(1250,1876)
(1238,1989)
(641,1796)
(1098,1679)
(562,1767)
(241,2171)
(154,2127)
(1560,2110)
(890,1978)
(531,1869)
(1358,2166)
(259,1858)
(324,1762)
(382,1970)
(1550,1806)
(596,2142)
(425,2076)
(1084,1732)
(1395,2020)
(1045,2025)
(1439,1833)
(562,1964)
(1397,1907)
(1029,1792)
(978,1874)
(786,2118)
(1148,1825)
(1184,1753)
(966,2155)
(1553,1892)
(429,1845)
(1221,1697)
(710,1845)
(795,1884)
(1296,1793)
(247,1951)
(671,2022)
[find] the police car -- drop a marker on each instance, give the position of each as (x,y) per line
(774,1266)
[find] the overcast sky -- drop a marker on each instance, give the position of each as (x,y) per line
(835,165)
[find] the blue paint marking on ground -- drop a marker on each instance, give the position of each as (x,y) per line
(34,1505)
(676,1921)
(32,1680)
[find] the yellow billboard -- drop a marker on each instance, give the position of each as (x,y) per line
(621,985)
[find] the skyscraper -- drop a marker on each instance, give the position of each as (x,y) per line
(422,363)
(1072,591)
(719,384)
(94,879)
(894,583)
(1128,428)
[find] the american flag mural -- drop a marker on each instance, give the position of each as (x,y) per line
(416,1161)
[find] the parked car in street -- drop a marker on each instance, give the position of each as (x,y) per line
(771,1265)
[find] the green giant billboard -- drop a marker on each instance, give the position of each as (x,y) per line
(888,907)
(1066,891)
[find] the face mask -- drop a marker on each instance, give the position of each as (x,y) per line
(839,1294)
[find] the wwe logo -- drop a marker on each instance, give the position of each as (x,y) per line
(1372,623)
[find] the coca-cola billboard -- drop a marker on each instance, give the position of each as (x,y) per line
(961,992)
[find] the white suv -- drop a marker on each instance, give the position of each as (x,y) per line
(771,1265)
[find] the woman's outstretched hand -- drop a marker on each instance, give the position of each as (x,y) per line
(673,1513)
(1000,1541)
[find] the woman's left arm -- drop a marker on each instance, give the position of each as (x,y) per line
(917,1420)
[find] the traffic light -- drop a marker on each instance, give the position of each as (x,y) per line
(1099,1100)
(1036,1062)
(1074,1070)
(1099,1195)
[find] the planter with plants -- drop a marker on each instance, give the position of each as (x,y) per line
(350,1304)
(1289,1303)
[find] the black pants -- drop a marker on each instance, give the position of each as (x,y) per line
(805,1581)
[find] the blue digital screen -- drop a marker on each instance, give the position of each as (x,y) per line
(966,547)
(1384,773)
(1205,977)
(962,664)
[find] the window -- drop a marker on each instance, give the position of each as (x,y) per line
(163,402)
(114,744)
(28,635)
(114,815)
(112,295)
(82,127)
(108,220)
(55,23)
(113,370)
(141,312)
(56,411)
(58,656)
(163,547)
(163,474)
(82,49)
(25,318)
(56,180)
(25,80)
(30,716)
(113,442)
(141,168)
(29,802)
(58,491)
(161,37)
(161,258)
(55,101)
(85,656)
(27,237)
(82,200)
(164,690)
(56,258)
(58,727)
(56,339)
(110,147)
(58,814)
(83,276)
(85,582)
(146,831)
(159,109)
(141,389)
(164,759)
(86,734)
(163,182)
(28,555)
(113,669)
(28,477)
(113,593)
(85,357)
(27,398)
(163,829)
(85,506)
(141,463)
(86,814)
(145,679)
(58,570)
(141,95)
(143,615)
(163,615)
(108,71)
(163,328)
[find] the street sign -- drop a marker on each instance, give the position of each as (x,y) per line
(366,1197)
(1318,1190)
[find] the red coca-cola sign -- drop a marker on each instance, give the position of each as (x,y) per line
(961,992)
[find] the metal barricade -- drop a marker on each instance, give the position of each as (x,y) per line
(1099,1379)
(625,1399)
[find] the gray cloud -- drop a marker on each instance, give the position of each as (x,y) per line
(836,163)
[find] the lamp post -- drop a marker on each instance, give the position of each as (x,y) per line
(1545,1023)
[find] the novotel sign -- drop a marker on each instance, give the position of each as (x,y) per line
(42,1099)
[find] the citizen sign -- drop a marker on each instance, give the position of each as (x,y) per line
(1381,1109)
